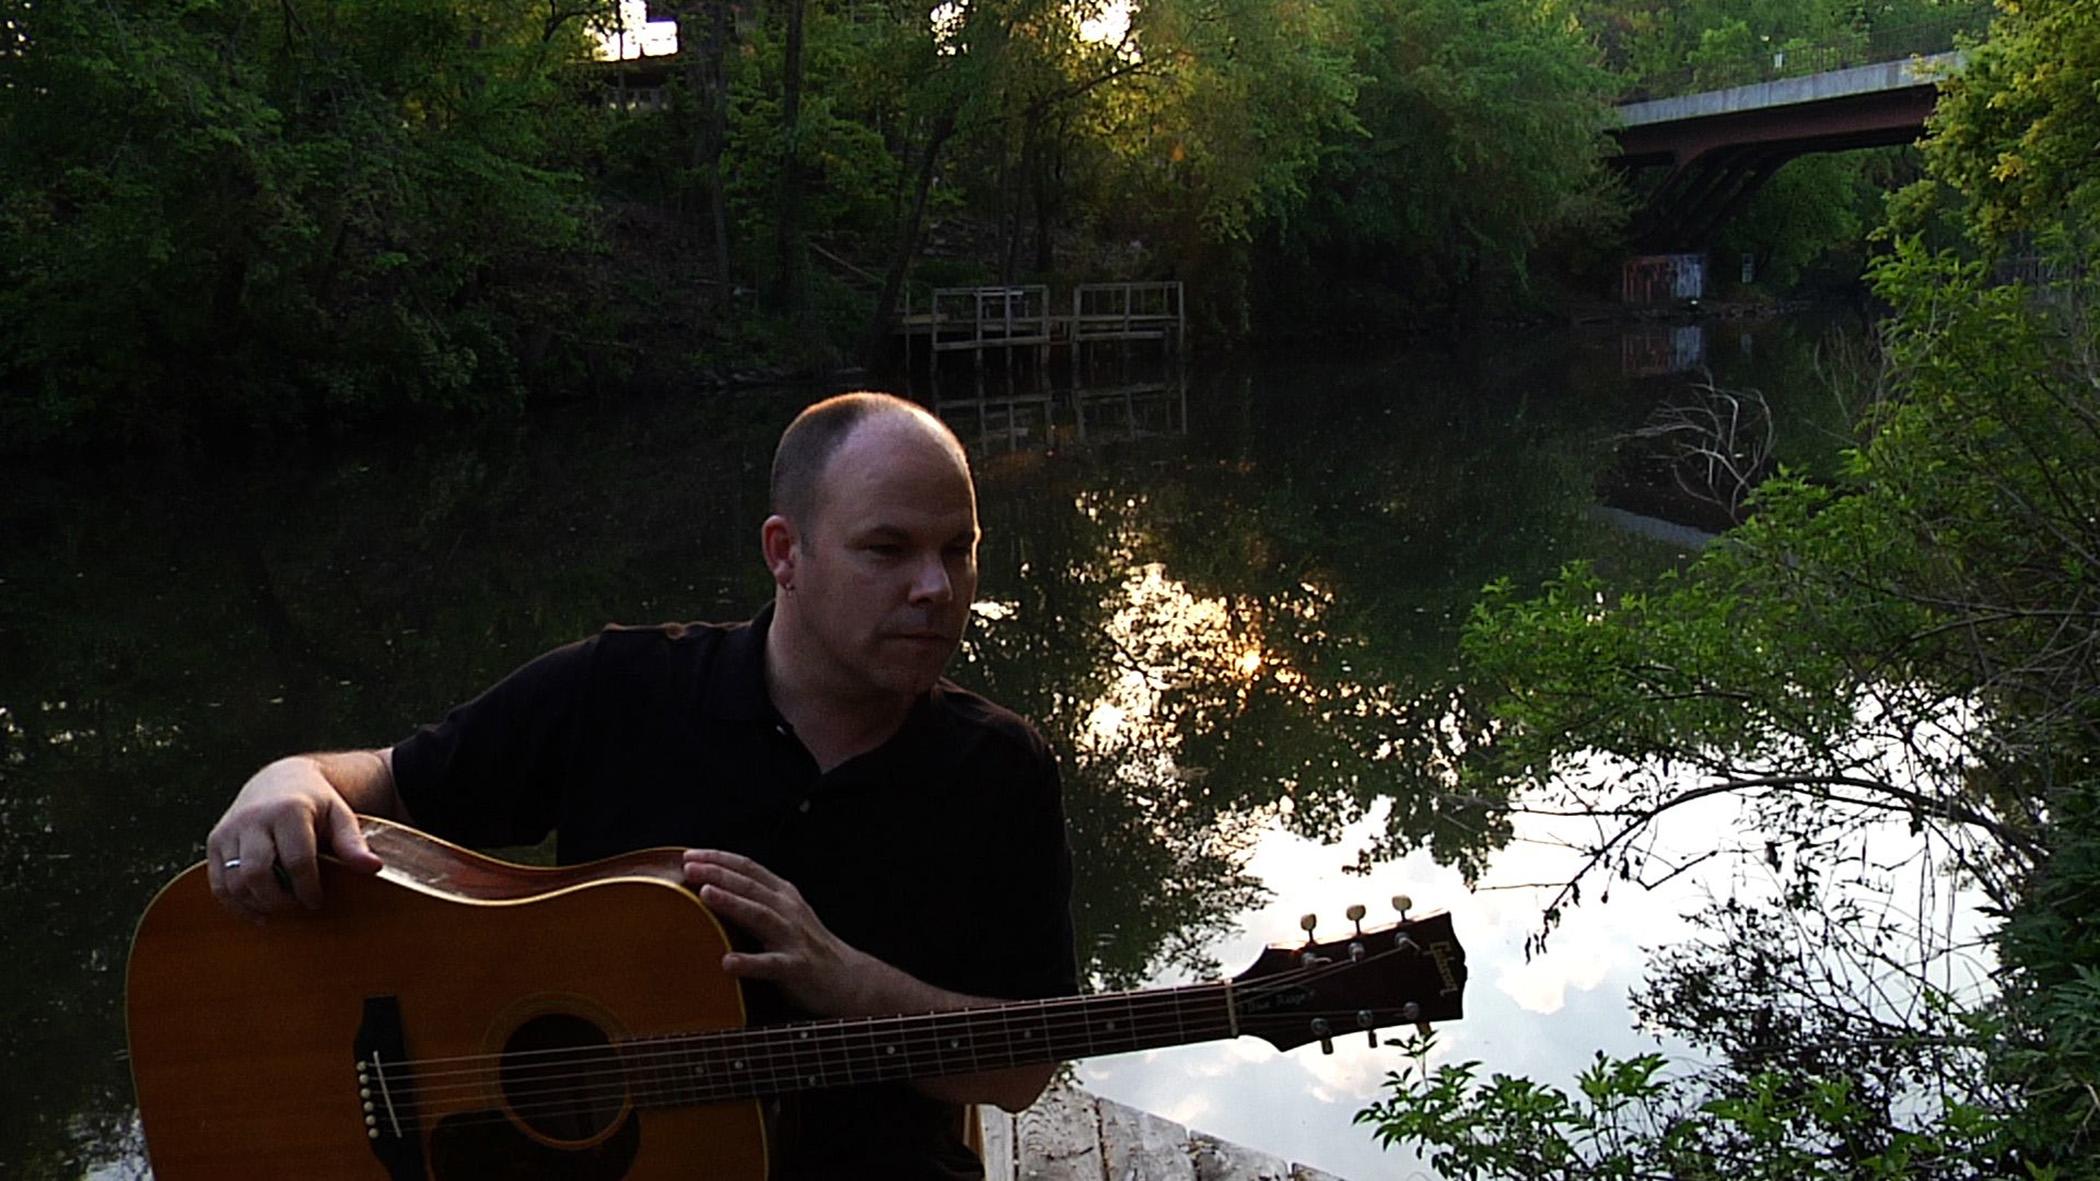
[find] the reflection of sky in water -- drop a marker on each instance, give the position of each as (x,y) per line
(1542,1016)
(1542,1019)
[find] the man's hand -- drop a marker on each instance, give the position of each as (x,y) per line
(820,971)
(831,978)
(263,855)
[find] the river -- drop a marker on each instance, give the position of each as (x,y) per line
(1230,597)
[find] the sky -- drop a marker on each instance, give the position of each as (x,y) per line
(646,38)
(1544,1019)
(642,37)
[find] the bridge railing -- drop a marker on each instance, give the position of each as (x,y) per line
(1771,61)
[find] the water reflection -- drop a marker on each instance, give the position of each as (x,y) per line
(1654,350)
(1230,601)
(994,421)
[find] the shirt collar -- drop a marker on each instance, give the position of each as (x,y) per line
(736,692)
(736,681)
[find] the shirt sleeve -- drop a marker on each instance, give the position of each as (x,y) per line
(491,773)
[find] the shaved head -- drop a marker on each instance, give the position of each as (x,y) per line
(809,443)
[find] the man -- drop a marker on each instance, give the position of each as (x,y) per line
(887,842)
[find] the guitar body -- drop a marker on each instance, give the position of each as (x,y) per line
(247,1041)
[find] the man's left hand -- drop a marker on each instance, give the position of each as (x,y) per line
(831,978)
(820,971)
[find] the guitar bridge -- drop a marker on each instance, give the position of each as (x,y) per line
(386,1090)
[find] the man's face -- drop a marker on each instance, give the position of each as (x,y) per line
(886,569)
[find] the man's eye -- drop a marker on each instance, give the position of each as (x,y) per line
(885,549)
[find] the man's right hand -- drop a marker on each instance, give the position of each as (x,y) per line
(264,854)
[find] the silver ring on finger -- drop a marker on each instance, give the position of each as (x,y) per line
(230,863)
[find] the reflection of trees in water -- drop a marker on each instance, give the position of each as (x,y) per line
(1253,622)
(1259,626)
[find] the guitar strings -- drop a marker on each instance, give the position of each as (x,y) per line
(1289,978)
(614,1090)
(610,1093)
(609,1078)
(917,1033)
(772,1041)
(614,1094)
(837,1029)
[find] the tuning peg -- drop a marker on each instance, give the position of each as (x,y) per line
(1325,1032)
(1306,923)
(1356,915)
(1365,1020)
(1402,903)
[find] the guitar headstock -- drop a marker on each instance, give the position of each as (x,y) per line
(1409,973)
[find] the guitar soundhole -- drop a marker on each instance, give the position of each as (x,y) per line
(561,1077)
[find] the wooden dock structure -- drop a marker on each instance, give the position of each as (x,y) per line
(1009,319)
(1071,1135)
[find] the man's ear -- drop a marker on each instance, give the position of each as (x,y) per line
(778,541)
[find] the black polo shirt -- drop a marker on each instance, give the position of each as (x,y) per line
(942,851)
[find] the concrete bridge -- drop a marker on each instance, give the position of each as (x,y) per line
(1721,145)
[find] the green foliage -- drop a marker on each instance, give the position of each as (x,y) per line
(233,213)
(249,212)
(1629,1119)
(1907,640)
(1666,48)
(1813,206)
(2013,131)
(1899,644)
(1478,134)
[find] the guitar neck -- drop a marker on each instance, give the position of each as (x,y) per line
(683,1069)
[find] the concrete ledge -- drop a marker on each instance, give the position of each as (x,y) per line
(1073,1135)
(1786,92)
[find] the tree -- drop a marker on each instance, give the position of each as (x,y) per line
(1912,641)
(291,210)
(1477,136)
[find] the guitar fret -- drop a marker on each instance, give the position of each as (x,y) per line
(746,1063)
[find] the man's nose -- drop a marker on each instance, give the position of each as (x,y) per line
(930,582)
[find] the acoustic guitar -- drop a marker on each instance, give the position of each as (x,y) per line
(455,1016)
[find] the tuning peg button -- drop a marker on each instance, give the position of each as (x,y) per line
(1306,923)
(1403,904)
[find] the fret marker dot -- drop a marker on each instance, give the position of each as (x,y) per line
(954,1042)
(892,1049)
(813,1080)
(737,1065)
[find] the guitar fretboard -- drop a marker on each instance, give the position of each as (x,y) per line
(683,1069)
